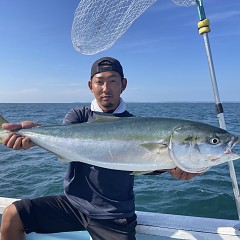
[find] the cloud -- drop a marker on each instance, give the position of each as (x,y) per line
(61,93)
(226,34)
(220,17)
(19,92)
(160,7)
(72,85)
(28,91)
(140,46)
(224,15)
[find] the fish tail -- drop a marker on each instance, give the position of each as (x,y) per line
(2,131)
(2,120)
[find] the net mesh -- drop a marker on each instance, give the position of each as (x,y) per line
(185,3)
(98,24)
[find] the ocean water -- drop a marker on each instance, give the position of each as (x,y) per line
(36,172)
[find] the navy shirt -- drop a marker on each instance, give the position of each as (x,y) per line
(98,192)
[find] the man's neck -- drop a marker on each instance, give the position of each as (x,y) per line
(109,111)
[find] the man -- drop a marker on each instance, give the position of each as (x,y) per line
(95,199)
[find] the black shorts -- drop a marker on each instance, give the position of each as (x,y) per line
(54,214)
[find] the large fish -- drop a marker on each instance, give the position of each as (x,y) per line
(137,143)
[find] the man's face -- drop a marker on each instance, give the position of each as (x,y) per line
(107,88)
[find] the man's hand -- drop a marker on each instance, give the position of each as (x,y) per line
(15,141)
(180,174)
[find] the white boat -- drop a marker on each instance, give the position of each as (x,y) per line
(152,226)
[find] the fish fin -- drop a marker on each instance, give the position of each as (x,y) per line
(2,120)
(62,158)
(137,173)
(106,118)
(154,147)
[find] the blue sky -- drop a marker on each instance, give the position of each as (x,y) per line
(162,54)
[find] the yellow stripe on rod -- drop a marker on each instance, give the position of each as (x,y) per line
(203,26)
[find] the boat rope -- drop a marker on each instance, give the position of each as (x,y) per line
(204,29)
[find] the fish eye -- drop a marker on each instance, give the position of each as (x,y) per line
(214,140)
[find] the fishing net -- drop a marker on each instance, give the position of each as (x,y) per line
(98,24)
(185,3)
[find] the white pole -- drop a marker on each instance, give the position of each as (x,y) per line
(221,119)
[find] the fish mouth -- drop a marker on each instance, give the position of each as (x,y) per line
(231,144)
(228,152)
(234,140)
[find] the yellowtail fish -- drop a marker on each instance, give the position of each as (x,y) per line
(137,143)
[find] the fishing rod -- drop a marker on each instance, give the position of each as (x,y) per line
(204,29)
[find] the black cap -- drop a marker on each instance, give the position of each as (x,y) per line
(106,64)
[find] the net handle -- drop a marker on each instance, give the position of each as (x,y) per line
(204,29)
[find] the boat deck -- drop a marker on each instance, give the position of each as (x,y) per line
(152,226)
